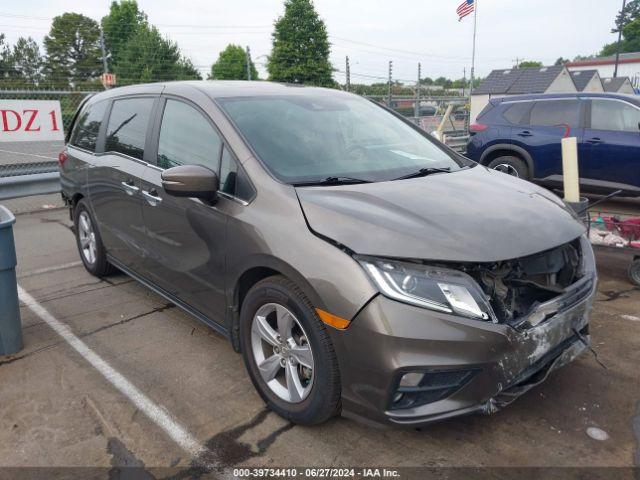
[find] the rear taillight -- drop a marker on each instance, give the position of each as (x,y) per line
(477,127)
(62,157)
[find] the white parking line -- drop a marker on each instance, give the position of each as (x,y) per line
(157,414)
(55,268)
(28,154)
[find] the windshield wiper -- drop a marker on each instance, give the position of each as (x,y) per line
(332,181)
(423,172)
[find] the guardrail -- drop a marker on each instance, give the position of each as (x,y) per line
(456,142)
(26,179)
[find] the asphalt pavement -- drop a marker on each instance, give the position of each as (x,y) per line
(113,375)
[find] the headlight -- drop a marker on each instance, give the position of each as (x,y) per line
(435,288)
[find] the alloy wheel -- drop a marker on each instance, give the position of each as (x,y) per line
(87,237)
(282,352)
(506,168)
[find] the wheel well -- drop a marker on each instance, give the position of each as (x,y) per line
(73,202)
(247,280)
(501,153)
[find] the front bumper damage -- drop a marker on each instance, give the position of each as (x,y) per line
(486,365)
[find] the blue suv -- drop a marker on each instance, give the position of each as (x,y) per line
(520,135)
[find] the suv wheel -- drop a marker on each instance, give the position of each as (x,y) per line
(511,166)
(92,252)
(288,352)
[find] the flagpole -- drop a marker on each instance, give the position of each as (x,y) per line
(473,55)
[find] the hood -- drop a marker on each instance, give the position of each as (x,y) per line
(472,215)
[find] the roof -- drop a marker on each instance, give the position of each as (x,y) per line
(635,99)
(498,81)
(519,80)
(633,57)
(581,78)
(219,89)
(614,84)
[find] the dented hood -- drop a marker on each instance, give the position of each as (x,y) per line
(471,215)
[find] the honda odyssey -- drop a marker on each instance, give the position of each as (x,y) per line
(360,266)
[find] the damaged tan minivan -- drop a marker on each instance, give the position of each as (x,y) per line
(360,266)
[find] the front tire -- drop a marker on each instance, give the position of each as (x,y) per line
(90,247)
(510,165)
(288,352)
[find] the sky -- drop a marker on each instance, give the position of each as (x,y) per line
(370,32)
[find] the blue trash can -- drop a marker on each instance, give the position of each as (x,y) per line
(10,325)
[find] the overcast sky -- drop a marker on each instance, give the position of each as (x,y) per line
(370,32)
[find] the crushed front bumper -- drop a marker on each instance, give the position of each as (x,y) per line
(388,339)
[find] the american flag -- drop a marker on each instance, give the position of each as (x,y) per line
(465,8)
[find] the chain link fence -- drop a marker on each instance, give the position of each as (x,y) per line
(25,163)
(31,167)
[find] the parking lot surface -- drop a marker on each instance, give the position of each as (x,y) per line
(113,375)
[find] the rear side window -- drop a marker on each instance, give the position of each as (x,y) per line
(553,113)
(127,128)
(515,113)
(87,128)
(233,179)
(614,115)
(187,138)
(485,110)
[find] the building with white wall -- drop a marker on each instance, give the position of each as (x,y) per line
(521,81)
(587,81)
(628,66)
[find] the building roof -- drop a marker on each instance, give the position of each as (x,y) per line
(519,81)
(498,81)
(614,84)
(633,57)
(581,78)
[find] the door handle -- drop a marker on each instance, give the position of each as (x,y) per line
(152,197)
(525,133)
(595,140)
(129,187)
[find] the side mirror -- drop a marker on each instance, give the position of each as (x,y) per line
(190,181)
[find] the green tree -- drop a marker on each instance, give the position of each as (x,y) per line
(123,21)
(232,65)
(528,64)
(73,50)
(561,61)
(631,12)
(148,57)
(300,52)
(27,61)
(627,21)
(7,71)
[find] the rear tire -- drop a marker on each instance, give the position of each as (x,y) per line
(90,247)
(510,165)
(634,272)
(304,389)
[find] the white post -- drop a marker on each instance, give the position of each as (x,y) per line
(570,172)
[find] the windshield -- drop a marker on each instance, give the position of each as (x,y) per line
(312,137)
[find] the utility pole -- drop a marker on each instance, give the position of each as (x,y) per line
(417,106)
(347,82)
(615,70)
(464,79)
(473,54)
(517,60)
(390,77)
(248,55)
(105,67)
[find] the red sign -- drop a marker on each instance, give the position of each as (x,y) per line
(108,79)
(30,120)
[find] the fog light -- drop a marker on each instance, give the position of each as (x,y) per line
(397,397)
(412,379)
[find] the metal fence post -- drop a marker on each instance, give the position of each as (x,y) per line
(10,324)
